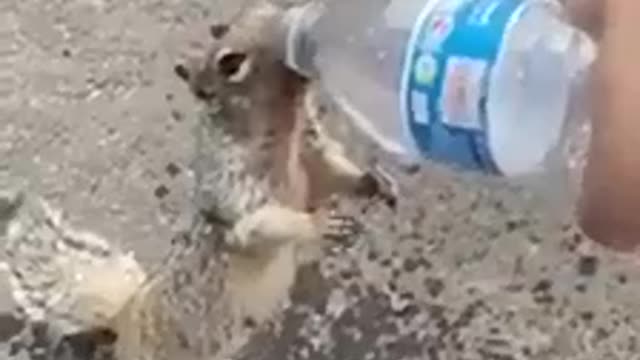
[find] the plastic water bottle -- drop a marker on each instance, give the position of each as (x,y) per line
(485,85)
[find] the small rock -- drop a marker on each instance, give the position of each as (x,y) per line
(172,169)
(161,191)
(176,115)
(588,265)
(543,285)
(9,326)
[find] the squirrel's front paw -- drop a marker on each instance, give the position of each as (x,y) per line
(378,184)
(340,228)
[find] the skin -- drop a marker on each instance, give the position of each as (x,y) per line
(610,205)
(586,15)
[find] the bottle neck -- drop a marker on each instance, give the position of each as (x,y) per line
(300,47)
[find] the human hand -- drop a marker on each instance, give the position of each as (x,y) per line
(587,15)
(610,202)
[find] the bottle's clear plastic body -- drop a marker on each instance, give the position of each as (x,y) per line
(358,48)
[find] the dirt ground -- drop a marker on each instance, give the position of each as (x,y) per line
(92,117)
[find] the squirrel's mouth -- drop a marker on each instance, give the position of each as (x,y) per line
(204,95)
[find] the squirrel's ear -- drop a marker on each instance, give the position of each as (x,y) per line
(217,31)
(182,72)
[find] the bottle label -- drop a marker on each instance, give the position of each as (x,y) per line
(449,59)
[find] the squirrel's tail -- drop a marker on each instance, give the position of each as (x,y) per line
(73,280)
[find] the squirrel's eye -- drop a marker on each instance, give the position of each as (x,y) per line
(234,66)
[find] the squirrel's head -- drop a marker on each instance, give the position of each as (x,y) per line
(242,68)
(222,68)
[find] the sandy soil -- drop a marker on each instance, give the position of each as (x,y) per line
(92,117)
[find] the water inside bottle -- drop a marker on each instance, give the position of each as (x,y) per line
(544,125)
(528,93)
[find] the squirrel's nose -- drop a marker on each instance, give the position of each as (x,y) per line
(203,94)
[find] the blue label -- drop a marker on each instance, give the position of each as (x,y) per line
(449,58)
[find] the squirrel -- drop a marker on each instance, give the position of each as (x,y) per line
(265,173)
(75,281)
